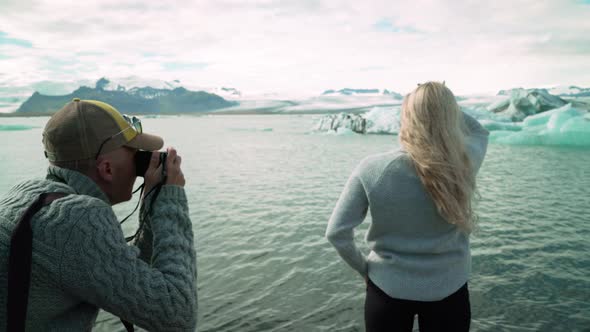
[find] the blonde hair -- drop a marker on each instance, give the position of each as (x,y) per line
(432,132)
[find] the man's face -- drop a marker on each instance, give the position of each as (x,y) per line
(122,164)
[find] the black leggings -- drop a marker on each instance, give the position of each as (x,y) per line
(384,313)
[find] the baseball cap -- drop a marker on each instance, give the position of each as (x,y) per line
(83,127)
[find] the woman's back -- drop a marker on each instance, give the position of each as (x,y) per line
(415,254)
(420,198)
(399,205)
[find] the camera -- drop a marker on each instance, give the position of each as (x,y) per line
(142,161)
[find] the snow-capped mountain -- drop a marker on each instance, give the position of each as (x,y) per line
(362,92)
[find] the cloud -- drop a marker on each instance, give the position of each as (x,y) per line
(183,66)
(386,25)
(287,45)
(13,41)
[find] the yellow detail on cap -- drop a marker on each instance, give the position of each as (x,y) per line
(76,99)
(123,125)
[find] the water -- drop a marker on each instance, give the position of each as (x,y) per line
(262,187)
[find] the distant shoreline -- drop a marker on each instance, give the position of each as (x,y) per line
(581,103)
(261,111)
(21,115)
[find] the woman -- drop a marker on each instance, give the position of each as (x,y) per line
(420,199)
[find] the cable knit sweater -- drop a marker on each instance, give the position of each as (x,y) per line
(81,261)
(415,254)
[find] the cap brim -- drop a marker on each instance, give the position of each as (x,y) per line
(146,142)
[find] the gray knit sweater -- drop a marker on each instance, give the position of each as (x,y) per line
(81,261)
(415,254)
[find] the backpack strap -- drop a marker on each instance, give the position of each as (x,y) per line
(19,263)
(19,266)
(128,326)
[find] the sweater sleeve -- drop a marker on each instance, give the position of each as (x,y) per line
(477,140)
(350,211)
(99,267)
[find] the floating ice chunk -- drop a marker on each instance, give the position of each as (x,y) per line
(544,118)
(492,125)
(575,131)
(515,138)
(499,105)
(383,120)
(355,122)
(523,103)
(558,119)
(344,131)
(570,91)
(379,120)
(482,113)
(564,126)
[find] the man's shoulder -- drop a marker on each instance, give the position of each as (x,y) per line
(71,206)
(52,223)
(74,201)
(23,194)
(34,187)
(27,187)
(72,216)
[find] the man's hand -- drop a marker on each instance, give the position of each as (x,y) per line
(175,176)
(153,175)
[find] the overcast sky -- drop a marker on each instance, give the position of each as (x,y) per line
(302,46)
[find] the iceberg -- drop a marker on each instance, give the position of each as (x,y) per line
(565,126)
(498,106)
(523,103)
(383,120)
(379,120)
(492,125)
(553,115)
(570,91)
(341,132)
(334,122)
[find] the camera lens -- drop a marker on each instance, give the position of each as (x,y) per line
(142,161)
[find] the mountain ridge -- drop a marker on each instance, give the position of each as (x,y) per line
(145,100)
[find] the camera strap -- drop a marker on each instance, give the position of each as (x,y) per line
(156,190)
(19,265)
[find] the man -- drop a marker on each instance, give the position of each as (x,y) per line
(80,259)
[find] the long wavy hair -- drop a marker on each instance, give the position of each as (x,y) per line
(433,133)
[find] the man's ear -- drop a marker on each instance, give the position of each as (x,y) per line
(104,169)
